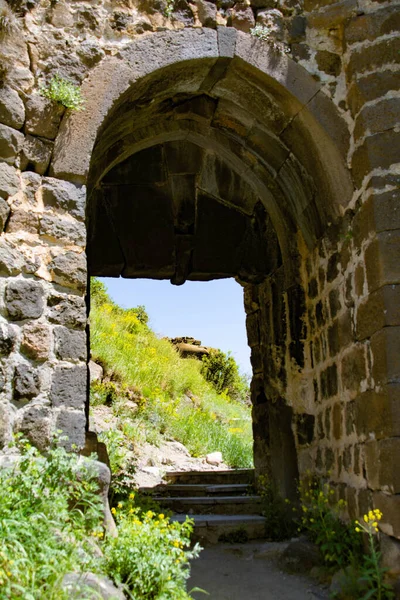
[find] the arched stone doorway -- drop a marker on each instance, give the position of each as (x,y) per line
(200,170)
(238,133)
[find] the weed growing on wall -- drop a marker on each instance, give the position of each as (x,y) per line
(64,92)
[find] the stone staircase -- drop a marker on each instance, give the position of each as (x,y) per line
(221,503)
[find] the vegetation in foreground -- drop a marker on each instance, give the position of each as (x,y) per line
(51,524)
(348,550)
(173,396)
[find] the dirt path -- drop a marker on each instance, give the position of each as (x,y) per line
(248,572)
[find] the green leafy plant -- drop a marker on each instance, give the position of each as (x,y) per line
(64,92)
(320,519)
(222,371)
(151,555)
(261,32)
(50,511)
(169,8)
(279,522)
(372,573)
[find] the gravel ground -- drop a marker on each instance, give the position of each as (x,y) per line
(249,572)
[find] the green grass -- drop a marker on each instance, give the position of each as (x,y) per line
(175,399)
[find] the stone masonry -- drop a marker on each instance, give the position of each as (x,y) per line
(275,161)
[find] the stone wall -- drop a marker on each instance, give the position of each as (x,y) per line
(324,327)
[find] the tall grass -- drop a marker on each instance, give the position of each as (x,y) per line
(176,400)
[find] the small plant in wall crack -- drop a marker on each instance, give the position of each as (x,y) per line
(64,92)
(265,33)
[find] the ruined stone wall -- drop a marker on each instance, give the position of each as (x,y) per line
(324,331)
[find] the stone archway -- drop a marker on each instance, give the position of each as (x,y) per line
(219,162)
(321,304)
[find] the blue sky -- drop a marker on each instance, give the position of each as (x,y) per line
(210,311)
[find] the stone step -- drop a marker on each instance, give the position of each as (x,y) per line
(196,489)
(211,529)
(212,505)
(231,476)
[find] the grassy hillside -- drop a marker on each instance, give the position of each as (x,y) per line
(173,397)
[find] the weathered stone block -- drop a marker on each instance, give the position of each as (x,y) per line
(65,196)
(70,270)
(24,299)
(36,153)
(35,342)
(207,13)
(11,142)
(68,310)
(389,473)
(377,151)
(23,220)
(371,26)
(354,369)
(376,118)
(63,229)
(36,425)
(329,62)
(7,339)
(329,382)
(371,87)
(69,344)
(378,413)
(382,260)
(334,302)
(72,423)
(26,382)
(9,180)
(385,348)
(241,17)
(371,57)
(11,259)
(43,116)
(337,420)
(380,309)
(389,505)
(12,110)
(69,385)
(91,585)
(381,212)
(30,184)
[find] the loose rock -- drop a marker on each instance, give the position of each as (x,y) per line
(214,458)
(91,586)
